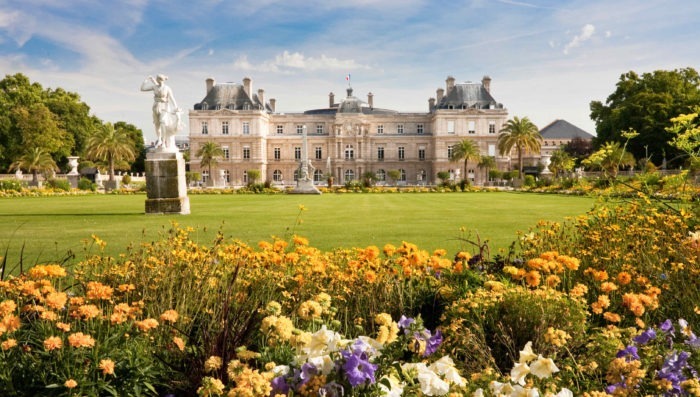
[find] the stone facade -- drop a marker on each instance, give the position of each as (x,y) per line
(346,138)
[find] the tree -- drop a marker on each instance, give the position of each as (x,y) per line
(610,158)
(38,127)
(646,104)
(35,160)
(465,150)
(253,176)
(208,155)
(560,162)
(111,145)
(487,163)
(521,134)
(394,175)
(579,149)
(369,178)
(136,136)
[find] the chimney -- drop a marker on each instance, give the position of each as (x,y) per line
(210,84)
(431,104)
(370,100)
(331,100)
(248,87)
(273,101)
(486,82)
(440,93)
(450,84)
(261,97)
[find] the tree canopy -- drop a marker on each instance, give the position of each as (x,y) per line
(466,150)
(646,103)
(110,145)
(521,134)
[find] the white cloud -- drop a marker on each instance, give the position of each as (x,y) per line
(608,34)
(296,61)
(586,33)
(211,52)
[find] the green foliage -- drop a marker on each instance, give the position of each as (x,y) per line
(35,161)
(467,150)
(529,180)
(647,103)
(59,184)
(444,177)
(111,145)
(136,136)
(191,176)
(208,154)
(495,174)
(10,185)
(394,175)
(610,158)
(126,179)
(253,176)
(561,162)
(86,184)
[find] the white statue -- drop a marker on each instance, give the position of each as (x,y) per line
(167,117)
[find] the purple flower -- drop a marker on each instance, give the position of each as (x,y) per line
(405,322)
(672,371)
(645,337)
(433,343)
(308,371)
(279,386)
(331,389)
(357,368)
(629,353)
(667,327)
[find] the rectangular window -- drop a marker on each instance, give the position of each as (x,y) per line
(224,128)
(226,152)
(380,129)
(450,127)
(472,128)
(492,127)
(380,153)
(421,153)
(297,153)
(492,150)
(402,153)
(449,152)
(319,153)
(419,128)
(246,153)
(300,129)
(246,128)
(205,128)
(319,128)
(280,129)
(278,153)
(399,129)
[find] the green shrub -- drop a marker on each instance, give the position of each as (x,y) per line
(59,184)
(86,184)
(529,180)
(126,179)
(495,174)
(10,185)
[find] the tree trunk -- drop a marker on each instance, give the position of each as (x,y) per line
(520,163)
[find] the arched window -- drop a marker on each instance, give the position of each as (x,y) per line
(349,152)
(349,175)
(318,176)
(420,177)
(245,176)
(381,175)
(227,176)
(277,176)
(205,176)
(402,175)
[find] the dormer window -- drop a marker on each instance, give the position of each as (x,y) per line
(205,106)
(218,106)
(231,106)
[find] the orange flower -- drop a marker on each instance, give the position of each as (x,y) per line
(97,290)
(63,327)
(389,250)
(370,276)
(126,287)
(42,271)
(298,240)
(608,287)
(8,344)
(107,366)
(7,307)
(53,343)
(56,300)
(87,312)
(70,384)
(10,323)
(117,318)
(179,343)
(624,278)
(569,262)
(552,281)
(612,317)
(532,278)
(170,316)
(601,275)
(79,339)
(49,316)
(147,324)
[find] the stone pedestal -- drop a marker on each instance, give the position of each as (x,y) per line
(166,188)
(305,187)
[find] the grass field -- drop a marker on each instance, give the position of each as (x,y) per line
(46,228)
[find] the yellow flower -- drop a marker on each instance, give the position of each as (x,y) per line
(10,323)
(7,307)
(107,366)
(79,339)
(63,327)
(56,300)
(309,310)
(53,343)
(170,316)
(146,325)
(213,363)
(383,319)
(97,290)
(70,384)
(87,312)
(8,344)
(532,278)
(211,387)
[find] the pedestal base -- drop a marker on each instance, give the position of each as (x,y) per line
(166,187)
(73,180)
(305,187)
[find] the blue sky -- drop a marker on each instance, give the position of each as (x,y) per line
(547,59)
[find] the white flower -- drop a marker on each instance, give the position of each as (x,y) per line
(478,393)
(445,367)
(499,389)
(565,393)
(543,367)
(324,364)
(519,391)
(369,346)
(322,342)
(519,372)
(430,382)
(280,370)
(527,355)
(395,388)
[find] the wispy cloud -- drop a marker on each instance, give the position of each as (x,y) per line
(289,61)
(587,32)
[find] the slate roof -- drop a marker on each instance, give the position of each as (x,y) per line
(562,129)
(468,95)
(351,104)
(229,96)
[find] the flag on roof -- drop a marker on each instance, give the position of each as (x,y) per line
(347,77)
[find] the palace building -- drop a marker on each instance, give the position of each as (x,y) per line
(347,138)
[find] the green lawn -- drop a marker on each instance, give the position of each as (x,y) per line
(47,227)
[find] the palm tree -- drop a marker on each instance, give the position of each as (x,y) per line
(35,161)
(465,150)
(208,154)
(521,134)
(610,158)
(487,163)
(112,146)
(560,162)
